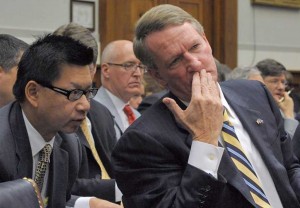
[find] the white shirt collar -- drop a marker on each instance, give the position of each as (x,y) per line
(118,103)
(37,142)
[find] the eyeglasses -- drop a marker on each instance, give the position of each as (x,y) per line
(75,94)
(132,67)
(276,82)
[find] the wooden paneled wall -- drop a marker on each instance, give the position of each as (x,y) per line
(219,18)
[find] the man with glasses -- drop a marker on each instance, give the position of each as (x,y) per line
(96,135)
(53,91)
(121,78)
(274,77)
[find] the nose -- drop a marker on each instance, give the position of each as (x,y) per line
(83,104)
(192,62)
(281,85)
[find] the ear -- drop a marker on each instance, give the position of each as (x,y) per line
(105,70)
(155,74)
(32,92)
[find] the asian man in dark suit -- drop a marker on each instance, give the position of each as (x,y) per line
(179,153)
(52,91)
(96,180)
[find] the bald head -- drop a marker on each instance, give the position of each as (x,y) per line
(115,49)
(116,78)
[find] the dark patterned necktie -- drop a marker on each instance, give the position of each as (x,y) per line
(44,160)
(242,163)
(129,113)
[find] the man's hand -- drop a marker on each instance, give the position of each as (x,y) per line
(287,105)
(99,203)
(203,118)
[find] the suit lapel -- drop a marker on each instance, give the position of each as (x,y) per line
(248,118)
(104,98)
(99,146)
(58,175)
(23,149)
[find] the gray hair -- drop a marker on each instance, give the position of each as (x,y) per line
(156,19)
(11,50)
(270,67)
(81,34)
(243,72)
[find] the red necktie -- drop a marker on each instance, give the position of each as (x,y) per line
(129,113)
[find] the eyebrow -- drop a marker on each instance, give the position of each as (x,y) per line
(78,86)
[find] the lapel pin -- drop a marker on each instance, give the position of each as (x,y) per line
(259,121)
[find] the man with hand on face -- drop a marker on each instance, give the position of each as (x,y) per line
(274,77)
(121,78)
(204,144)
(53,91)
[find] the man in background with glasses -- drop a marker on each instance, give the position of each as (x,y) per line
(53,91)
(274,77)
(121,78)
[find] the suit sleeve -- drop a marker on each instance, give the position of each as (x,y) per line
(154,177)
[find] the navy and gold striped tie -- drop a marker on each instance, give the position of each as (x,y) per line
(239,158)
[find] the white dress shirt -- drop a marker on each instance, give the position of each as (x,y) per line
(211,156)
(37,143)
(119,104)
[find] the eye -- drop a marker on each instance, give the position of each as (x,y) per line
(175,61)
(76,92)
(129,65)
(194,47)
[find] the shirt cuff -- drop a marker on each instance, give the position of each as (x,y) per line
(206,157)
(290,126)
(118,193)
(82,202)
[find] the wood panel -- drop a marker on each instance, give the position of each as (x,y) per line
(219,18)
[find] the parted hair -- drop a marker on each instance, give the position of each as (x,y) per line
(157,19)
(11,49)
(45,58)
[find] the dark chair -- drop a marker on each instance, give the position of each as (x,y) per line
(20,193)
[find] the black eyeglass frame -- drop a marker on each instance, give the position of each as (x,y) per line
(126,66)
(90,93)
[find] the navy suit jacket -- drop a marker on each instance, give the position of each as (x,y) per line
(151,158)
(16,158)
(89,182)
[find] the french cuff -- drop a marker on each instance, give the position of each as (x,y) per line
(118,193)
(206,157)
(82,202)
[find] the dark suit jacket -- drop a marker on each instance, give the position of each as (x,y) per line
(18,194)
(150,100)
(89,182)
(150,159)
(16,158)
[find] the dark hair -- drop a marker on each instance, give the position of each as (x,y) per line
(44,59)
(270,67)
(11,49)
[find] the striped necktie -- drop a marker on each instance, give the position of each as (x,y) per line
(239,158)
(87,133)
